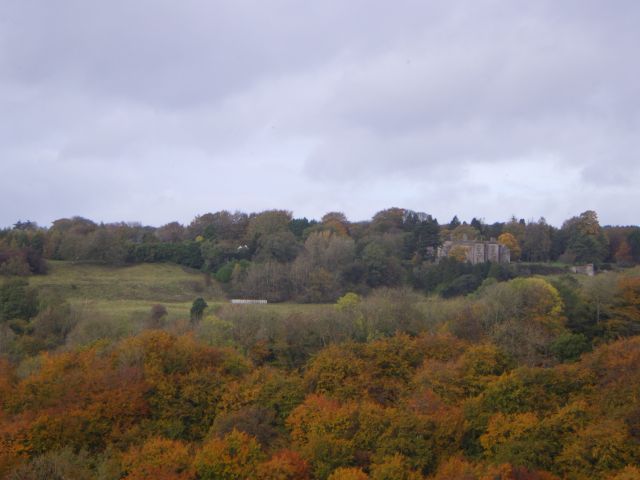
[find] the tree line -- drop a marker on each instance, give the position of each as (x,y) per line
(275,256)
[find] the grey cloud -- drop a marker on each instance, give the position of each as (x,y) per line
(529,86)
(157,110)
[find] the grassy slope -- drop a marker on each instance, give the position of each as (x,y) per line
(126,292)
(129,292)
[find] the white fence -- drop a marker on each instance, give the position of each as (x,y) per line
(239,301)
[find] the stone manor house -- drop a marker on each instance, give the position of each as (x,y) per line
(476,251)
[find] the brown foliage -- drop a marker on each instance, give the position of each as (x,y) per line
(160,459)
(285,465)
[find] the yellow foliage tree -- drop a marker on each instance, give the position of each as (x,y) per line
(456,468)
(284,465)
(344,473)
(459,252)
(509,241)
(600,448)
(234,457)
(628,473)
(395,467)
(158,458)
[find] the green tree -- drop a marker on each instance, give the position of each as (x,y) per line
(389,220)
(171,232)
(197,309)
(268,222)
(569,346)
(523,317)
(299,225)
(633,239)
(279,246)
(586,240)
(382,269)
(17,300)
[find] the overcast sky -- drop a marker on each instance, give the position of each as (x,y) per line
(157,110)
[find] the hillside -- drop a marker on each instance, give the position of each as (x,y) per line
(129,291)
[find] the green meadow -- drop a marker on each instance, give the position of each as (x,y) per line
(129,292)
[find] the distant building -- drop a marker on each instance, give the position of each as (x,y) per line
(584,269)
(475,251)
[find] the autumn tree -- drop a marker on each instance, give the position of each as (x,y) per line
(625,318)
(456,468)
(267,223)
(219,226)
(509,241)
(395,467)
(599,448)
(158,458)
(322,431)
(517,439)
(58,465)
(269,280)
(537,241)
(517,228)
(348,473)
(157,316)
(284,465)
(586,241)
(524,316)
(280,246)
(335,222)
(599,292)
(389,220)
(465,232)
(623,255)
(171,232)
(14,264)
(234,457)
(317,272)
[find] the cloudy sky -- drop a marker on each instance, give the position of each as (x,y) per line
(158,110)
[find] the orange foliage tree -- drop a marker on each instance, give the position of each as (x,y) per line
(348,473)
(234,457)
(160,459)
(284,465)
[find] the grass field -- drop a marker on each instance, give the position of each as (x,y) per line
(150,282)
(129,309)
(129,292)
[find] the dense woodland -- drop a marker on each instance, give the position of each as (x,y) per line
(398,367)
(274,256)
